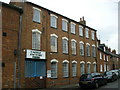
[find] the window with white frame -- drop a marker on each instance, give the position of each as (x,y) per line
(93,35)
(73,43)
(82,68)
(81,48)
(64,25)
(88,67)
(36,14)
(107,67)
(53,21)
(74,68)
(65,69)
(104,57)
(100,55)
(80,30)
(104,67)
(53,42)
(73,27)
(54,68)
(94,65)
(107,58)
(88,49)
(93,51)
(65,45)
(36,39)
(101,68)
(87,32)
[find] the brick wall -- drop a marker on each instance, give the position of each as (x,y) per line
(10,26)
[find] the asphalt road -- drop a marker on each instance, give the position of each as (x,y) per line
(115,84)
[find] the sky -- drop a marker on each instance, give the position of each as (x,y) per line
(102,15)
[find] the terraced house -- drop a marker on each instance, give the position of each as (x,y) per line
(50,50)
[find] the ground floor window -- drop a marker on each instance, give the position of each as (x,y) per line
(65,69)
(104,67)
(74,71)
(101,68)
(94,65)
(54,69)
(82,66)
(88,67)
(35,68)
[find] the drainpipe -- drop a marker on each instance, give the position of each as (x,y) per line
(19,52)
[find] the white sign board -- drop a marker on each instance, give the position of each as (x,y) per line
(49,73)
(35,54)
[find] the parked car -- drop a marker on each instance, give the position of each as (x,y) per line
(117,72)
(92,80)
(110,76)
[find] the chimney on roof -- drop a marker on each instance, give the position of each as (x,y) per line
(82,20)
(109,49)
(18,3)
(114,51)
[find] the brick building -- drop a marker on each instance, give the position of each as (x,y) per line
(45,49)
(9,43)
(106,59)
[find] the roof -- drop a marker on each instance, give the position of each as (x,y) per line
(60,15)
(19,9)
(107,52)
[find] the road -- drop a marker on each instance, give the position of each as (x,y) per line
(110,86)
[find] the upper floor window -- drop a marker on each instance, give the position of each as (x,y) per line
(87,32)
(100,55)
(93,51)
(73,27)
(53,21)
(93,35)
(54,68)
(107,58)
(36,14)
(74,68)
(80,30)
(64,25)
(65,45)
(104,56)
(87,49)
(54,42)
(65,68)
(81,48)
(36,39)
(73,42)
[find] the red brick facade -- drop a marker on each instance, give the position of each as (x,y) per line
(11,26)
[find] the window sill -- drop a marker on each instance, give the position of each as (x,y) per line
(88,56)
(54,27)
(54,78)
(81,36)
(74,54)
(36,22)
(53,52)
(73,33)
(66,77)
(65,31)
(66,53)
(82,55)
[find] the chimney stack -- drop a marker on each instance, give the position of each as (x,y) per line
(82,20)
(114,51)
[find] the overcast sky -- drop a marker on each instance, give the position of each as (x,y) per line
(101,15)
